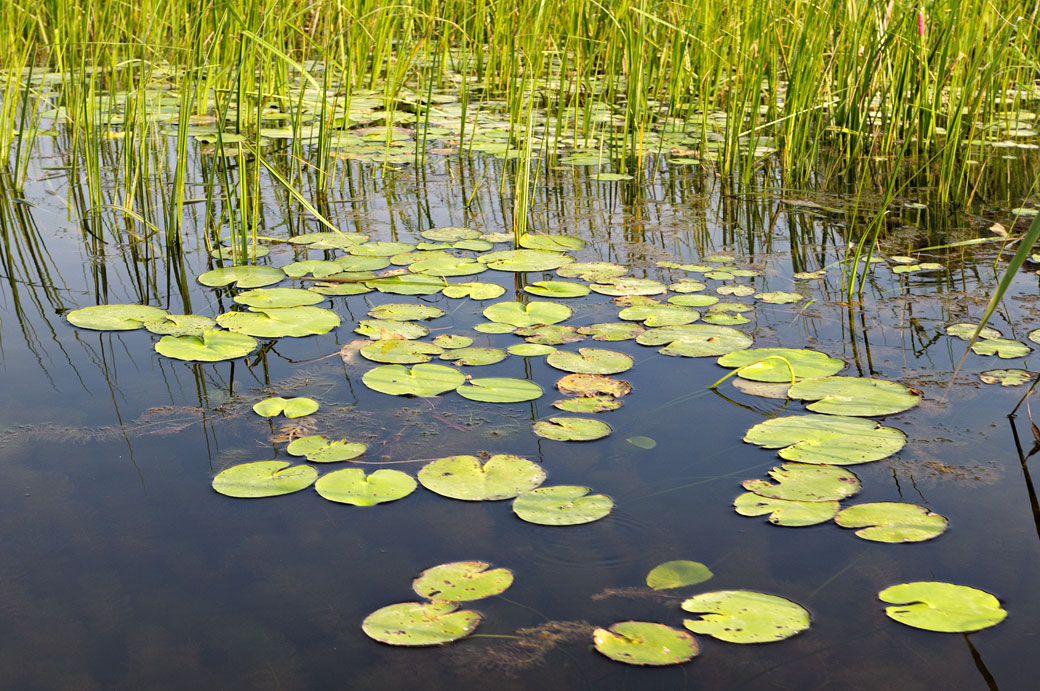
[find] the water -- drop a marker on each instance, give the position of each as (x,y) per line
(123,569)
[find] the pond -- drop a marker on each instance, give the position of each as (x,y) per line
(124,568)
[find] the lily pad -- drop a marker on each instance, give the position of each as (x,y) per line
(450,234)
(450,341)
(493,328)
(858,396)
(351,263)
(660,315)
(352,486)
(612,331)
(331,240)
(531,314)
(745,616)
(804,482)
(525,260)
(290,407)
(180,325)
(557,289)
(402,352)
(115,317)
(778,297)
(279,322)
(645,643)
(887,521)
(590,361)
(475,356)
(278,297)
(318,449)
(499,390)
(687,285)
(693,300)
(1006,377)
(473,291)
(503,476)
(551,243)
(246,276)
(449,266)
(785,512)
(588,404)
(420,623)
(318,268)
(405,311)
(725,319)
(562,505)
(629,286)
(827,439)
(642,442)
(407,284)
(592,271)
(549,335)
(965,331)
(1004,348)
(381,249)
(592,385)
(423,380)
(213,345)
(695,340)
(462,581)
(771,364)
(571,429)
(735,290)
(529,349)
(386,329)
(943,607)
(677,574)
(263,479)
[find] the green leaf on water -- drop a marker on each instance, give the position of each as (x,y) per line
(1002,347)
(629,286)
(588,404)
(641,442)
(943,607)
(318,268)
(503,476)
(290,407)
(524,260)
(557,289)
(180,325)
(462,581)
(735,290)
(493,328)
(858,396)
(212,345)
(592,271)
(423,380)
(571,429)
(745,616)
(380,249)
(318,449)
(246,276)
(827,439)
(579,384)
(385,329)
(695,340)
(549,335)
(777,364)
(725,319)
(402,352)
(551,243)
(660,315)
(473,291)
(887,521)
(452,341)
(474,356)
(677,574)
(420,623)
(278,297)
(784,511)
(115,317)
(612,331)
(693,300)
(779,297)
(351,263)
(450,234)
(328,240)
(590,361)
(806,482)
(500,390)
(687,285)
(407,284)
(645,643)
(449,266)
(352,486)
(965,331)
(1006,377)
(279,322)
(263,479)
(562,505)
(529,349)
(405,311)
(531,314)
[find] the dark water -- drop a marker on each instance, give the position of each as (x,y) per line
(123,569)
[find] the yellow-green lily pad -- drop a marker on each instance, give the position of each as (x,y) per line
(887,521)
(263,479)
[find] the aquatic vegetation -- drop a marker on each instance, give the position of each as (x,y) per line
(462,581)
(318,449)
(745,616)
(571,429)
(827,439)
(264,479)
(943,607)
(352,486)
(499,390)
(290,407)
(562,505)
(677,574)
(211,345)
(420,623)
(502,476)
(892,522)
(115,317)
(645,643)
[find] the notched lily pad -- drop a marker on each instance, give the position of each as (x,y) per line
(290,407)
(677,574)
(588,404)
(475,356)
(645,643)
(212,345)
(745,616)
(529,349)
(549,335)
(450,341)
(612,331)
(857,396)
(279,322)
(562,505)
(352,486)
(695,340)
(827,439)
(420,623)
(405,311)
(571,429)
(785,512)
(115,317)
(388,329)
(965,331)
(1006,377)
(462,581)
(503,476)
(423,380)
(590,361)
(557,289)
(778,364)
(473,291)
(778,297)
(660,315)
(593,385)
(525,260)
(888,521)
(500,390)
(263,479)
(278,297)
(318,449)
(180,325)
(1003,348)
(246,276)
(629,286)
(943,607)
(397,351)
(531,314)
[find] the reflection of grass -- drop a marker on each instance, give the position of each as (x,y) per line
(511,655)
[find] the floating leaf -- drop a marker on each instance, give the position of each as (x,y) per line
(525,260)
(943,607)
(592,385)
(462,581)
(354,264)
(493,328)
(786,512)
(590,271)
(405,311)
(562,505)
(329,240)
(645,643)
(381,249)
(1006,377)
(452,341)
(695,340)
(551,243)
(242,276)
(474,291)
(420,623)
(352,486)
(763,389)
(180,325)
(450,266)
(572,429)
(629,286)
(887,521)
(407,284)
(290,407)
(313,267)
(730,307)
(531,314)
(735,290)
(645,443)
(725,319)
(693,300)
(400,352)
(503,476)
(115,317)
(450,234)
(827,439)
(212,345)
(500,390)
(339,289)
(588,404)
(965,331)
(284,321)
(475,356)
(777,364)
(802,482)
(612,331)
(590,361)
(557,289)
(745,616)
(385,329)
(235,254)
(677,574)
(529,349)
(1004,348)
(423,380)
(857,396)
(278,297)
(660,315)
(263,479)
(687,285)
(779,297)
(318,449)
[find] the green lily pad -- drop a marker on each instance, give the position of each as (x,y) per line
(612,331)
(1034,335)
(473,245)
(401,352)
(180,325)
(331,240)
(687,285)
(493,328)
(809,275)
(677,574)
(589,271)
(503,476)
(246,276)
(115,317)
(235,254)
(352,486)
(339,289)
(529,349)
(827,439)
(420,623)
(858,396)
(474,291)
(730,307)
(645,643)
(423,380)
(590,361)
(695,340)
(557,289)
(571,429)
(351,263)
(279,322)
(318,268)
(887,521)
(475,356)
(562,505)
(407,284)
(641,442)
(778,297)
(660,315)
(588,404)
(629,286)
(497,237)
(1006,377)
(550,243)
(450,341)
(450,266)
(580,384)
(771,364)
(381,249)
(525,260)
(965,331)
(725,319)
(411,258)
(462,581)
(500,390)
(1004,348)
(745,616)
(786,512)
(720,275)
(263,479)
(318,449)
(290,407)
(693,300)
(450,234)
(943,607)
(405,311)
(212,345)
(803,482)
(278,297)
(549,335)
(385,329)
(719,258)
(531,314)
(735,290)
